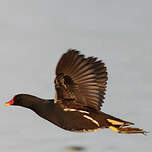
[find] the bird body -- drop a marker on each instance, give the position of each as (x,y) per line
(80,85)
(68,118)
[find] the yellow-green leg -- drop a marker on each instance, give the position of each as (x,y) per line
(128,130)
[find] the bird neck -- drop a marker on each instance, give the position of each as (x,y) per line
(32,102)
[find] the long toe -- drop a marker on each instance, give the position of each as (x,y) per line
(128,130)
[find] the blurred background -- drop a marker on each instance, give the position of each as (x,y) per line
(33,36)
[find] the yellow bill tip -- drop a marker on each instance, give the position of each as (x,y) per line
(7,104)
(11,102)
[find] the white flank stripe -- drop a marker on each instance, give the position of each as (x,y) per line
(68,109)
(83,111)
(94,121)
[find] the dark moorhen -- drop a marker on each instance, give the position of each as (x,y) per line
(80,85)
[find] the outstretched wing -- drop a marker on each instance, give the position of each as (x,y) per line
(80,80)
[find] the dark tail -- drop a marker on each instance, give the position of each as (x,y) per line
(119,126)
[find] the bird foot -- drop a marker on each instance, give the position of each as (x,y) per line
(128,130)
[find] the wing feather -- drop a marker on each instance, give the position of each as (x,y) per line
(81,79)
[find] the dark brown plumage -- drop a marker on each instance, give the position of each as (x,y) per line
(80,85)
(81,79)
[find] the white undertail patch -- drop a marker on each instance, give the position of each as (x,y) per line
(115,122)
(94,121)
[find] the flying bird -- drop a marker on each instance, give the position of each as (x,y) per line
(80,85)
